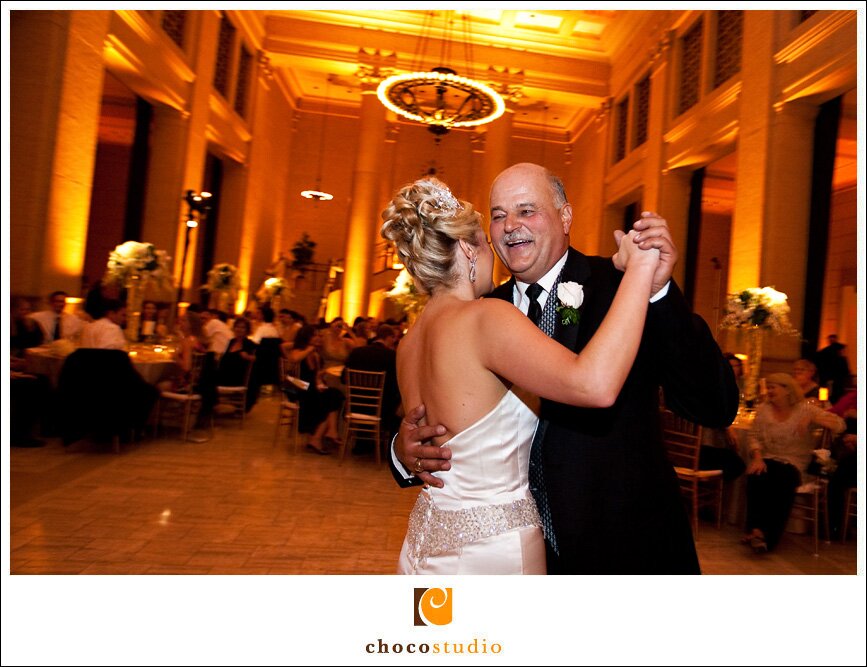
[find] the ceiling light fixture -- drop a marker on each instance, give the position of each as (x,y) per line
(318,193)
(440,98)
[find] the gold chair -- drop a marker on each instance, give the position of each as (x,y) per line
(850,512)
(288,411)
(235,397)
(363,411)
(682,441)
(811,501)
(183,400)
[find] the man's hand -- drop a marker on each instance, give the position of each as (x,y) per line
(654,233)
(419,458)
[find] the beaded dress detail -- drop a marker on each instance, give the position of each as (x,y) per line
(484,520)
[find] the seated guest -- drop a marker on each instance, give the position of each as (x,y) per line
(723,454)
(150,327)
(241,352)
(267,328)
(216,332)
(805,374)
(337,342)
(192,341)
(55,323)
(845,475)
(319,403)
(28,396)
(781,448)
(24,331)
(380,355)
(361,333)
(268,353)
(106,332)
(288,324)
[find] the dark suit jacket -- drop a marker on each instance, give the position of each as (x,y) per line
(614,498)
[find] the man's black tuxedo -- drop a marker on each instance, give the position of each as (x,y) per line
(614,497)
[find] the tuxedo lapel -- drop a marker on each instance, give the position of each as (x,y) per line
(577,270)
(506,292)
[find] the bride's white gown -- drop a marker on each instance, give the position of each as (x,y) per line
(484,520)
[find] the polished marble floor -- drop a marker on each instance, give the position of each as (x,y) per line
(237,504)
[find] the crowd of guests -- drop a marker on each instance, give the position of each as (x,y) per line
(244,351)
(248,351)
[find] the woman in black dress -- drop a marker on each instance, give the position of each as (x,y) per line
(319,403)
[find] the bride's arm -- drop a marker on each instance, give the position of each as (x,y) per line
(512,347)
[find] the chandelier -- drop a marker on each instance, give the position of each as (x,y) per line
(440,98)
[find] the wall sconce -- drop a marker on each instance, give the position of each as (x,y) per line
(198,205)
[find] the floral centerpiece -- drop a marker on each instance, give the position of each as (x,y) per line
(224,277)
(273,291)
(133,260)
(405,295)
(223,284)
(135,265)
(762,307)
(757,310)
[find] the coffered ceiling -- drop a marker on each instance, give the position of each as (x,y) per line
(556,63)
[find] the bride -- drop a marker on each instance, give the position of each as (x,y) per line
(461,359)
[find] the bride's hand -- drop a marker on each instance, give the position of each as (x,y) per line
(629,253)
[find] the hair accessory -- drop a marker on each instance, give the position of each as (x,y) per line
(444,200)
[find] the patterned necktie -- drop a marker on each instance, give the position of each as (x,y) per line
(545,321)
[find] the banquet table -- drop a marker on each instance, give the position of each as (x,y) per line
(153,362)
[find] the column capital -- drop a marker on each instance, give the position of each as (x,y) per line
(373,67)
(659,54)
(264,61)
(507,82)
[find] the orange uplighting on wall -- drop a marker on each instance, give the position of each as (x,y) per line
(241,302)
(332,307)
(374,306)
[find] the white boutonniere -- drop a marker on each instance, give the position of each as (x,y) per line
(571,296)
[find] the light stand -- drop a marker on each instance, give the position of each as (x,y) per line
(198,205)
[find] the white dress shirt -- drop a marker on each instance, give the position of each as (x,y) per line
(70,325)
(546,282)
(103,335)
(265,330)
(219,334)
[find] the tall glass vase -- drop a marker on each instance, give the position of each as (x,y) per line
(755,343)
(134,297)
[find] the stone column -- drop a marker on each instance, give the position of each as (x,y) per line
(498,140)
(770,226)
(56,95)
(364,212)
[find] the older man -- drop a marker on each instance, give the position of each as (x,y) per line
(608,497)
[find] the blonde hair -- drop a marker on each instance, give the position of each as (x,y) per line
(425,221)
(796,394)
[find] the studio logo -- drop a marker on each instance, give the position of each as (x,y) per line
(433,606)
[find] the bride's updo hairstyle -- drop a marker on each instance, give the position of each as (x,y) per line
(425,221)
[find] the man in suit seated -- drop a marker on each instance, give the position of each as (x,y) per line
(54,322)
(379,355)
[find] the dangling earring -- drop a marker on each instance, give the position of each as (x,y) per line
(473,269)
